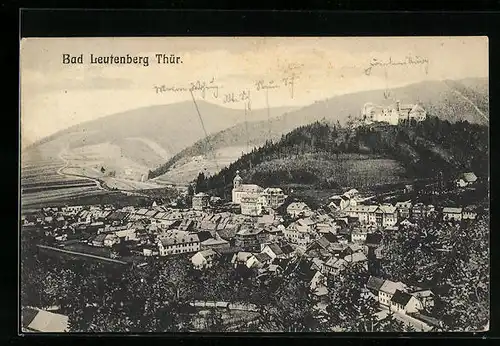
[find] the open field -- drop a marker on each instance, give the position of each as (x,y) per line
(350,170)
(74,177)
(59,197)
(87,249)
(187,169)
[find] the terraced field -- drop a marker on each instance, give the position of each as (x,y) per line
(44,182)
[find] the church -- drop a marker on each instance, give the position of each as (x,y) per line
(243,190)
(252,198)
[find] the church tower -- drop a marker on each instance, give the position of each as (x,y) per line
(236,184)
(237,180)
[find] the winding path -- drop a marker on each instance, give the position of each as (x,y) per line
(66,163)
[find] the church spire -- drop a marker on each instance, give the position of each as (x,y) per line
(237,180)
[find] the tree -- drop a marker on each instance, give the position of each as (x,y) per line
(214,321)
(466,303)
(291,308)
(201,183)
(351,308)
(390,324)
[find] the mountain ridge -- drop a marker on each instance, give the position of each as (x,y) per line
(326,156)
(465,99)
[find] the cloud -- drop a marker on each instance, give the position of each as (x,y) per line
(55,96)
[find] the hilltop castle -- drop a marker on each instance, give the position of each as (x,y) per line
(393,114)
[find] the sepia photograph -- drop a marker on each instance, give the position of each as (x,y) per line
(254,184)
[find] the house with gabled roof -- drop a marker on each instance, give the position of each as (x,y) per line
(297,209)
(364,213)
(468,213)
(386,215)
(249,238)
(177,242)
(97,240)
(258,260)
(334,266)
(402,302)
(214,244)
(356,257)
(388,289)
(450,213)
(34,320)
(469,177)
(426,297)
(301,235)
(240,258)
(204,259)
(275,250)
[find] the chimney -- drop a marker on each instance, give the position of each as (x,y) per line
(397,105)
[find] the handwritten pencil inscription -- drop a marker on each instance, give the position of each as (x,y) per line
(407,61)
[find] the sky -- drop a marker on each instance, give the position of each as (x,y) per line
(55,96)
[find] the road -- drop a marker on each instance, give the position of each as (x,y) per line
(98,183)
(419,326)
(60,171)
(81,254)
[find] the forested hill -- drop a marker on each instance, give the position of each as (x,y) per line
(327,155)
(466,99)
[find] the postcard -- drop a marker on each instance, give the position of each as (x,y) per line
(254,184)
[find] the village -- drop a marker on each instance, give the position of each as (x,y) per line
(261,229)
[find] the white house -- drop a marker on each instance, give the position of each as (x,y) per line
(301,235)
(34,320)
(318,284)
(392,114)
(402,302)
(365,213)
(297,209)
(200,201)
(127,234)
(359,235)
(468,214)
(177,242)
(203,259)
(240,258)
(386,215)
(388,289)
(339,202)
(452,214)
(278,251)
(251,204)
(425,296)
(273,197)
(110,240)
(334,266)
(357,257)
(258,260)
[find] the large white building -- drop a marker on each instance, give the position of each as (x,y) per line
(393,114)
(177,242)
(301,235)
